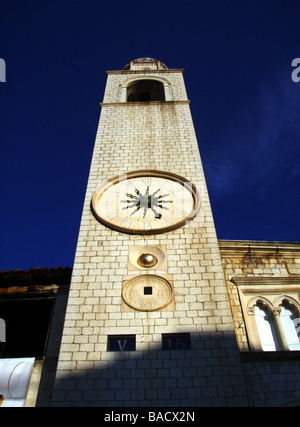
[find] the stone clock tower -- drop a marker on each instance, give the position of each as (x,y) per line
(148,321)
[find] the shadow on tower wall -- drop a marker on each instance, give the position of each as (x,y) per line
(208,374)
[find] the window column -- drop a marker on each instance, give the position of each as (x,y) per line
(279,329)
(266,328)
(289,321)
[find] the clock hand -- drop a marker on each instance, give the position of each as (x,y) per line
(130,195)
(127,201)
(164,195)
(156,214)
(130,206)
(156,192)
(146,202)
(137,209)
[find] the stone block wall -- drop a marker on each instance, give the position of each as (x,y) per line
(135,136)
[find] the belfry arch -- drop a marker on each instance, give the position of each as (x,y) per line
(145,89)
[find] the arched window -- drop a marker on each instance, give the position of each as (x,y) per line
(289,320)
(265,327)
(271,310)
(145,91)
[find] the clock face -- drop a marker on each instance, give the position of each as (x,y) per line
(145,202)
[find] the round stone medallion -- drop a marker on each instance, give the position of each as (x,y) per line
(147,292)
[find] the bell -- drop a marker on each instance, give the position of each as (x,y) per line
(147,260)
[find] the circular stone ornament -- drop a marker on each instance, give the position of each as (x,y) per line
(147,292)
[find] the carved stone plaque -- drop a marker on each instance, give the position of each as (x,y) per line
(147,292)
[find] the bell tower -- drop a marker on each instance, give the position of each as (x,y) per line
(148,321)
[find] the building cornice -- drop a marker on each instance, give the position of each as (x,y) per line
(261,281)
(109,104)
(257,248)
(168,71)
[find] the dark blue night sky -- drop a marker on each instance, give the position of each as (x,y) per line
(237,57)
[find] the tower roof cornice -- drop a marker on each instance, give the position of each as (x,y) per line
(169,70)
(145,62)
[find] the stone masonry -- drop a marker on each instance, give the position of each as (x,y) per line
(137,136)
(272,378)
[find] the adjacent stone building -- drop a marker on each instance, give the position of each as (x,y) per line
(263,286)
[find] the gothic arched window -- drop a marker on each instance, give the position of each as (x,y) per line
(271,312)
(266,329)
(290,323)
